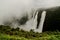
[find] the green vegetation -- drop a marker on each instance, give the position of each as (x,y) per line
(7,33)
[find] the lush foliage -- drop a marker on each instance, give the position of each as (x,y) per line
(7,33)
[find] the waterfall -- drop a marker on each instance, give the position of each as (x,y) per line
(41,22)
(35,21)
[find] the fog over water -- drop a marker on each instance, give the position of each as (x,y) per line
(16,9)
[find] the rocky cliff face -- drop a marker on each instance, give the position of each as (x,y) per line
(52,20)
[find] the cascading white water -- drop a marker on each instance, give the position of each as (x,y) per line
(41,22)
(35,21)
